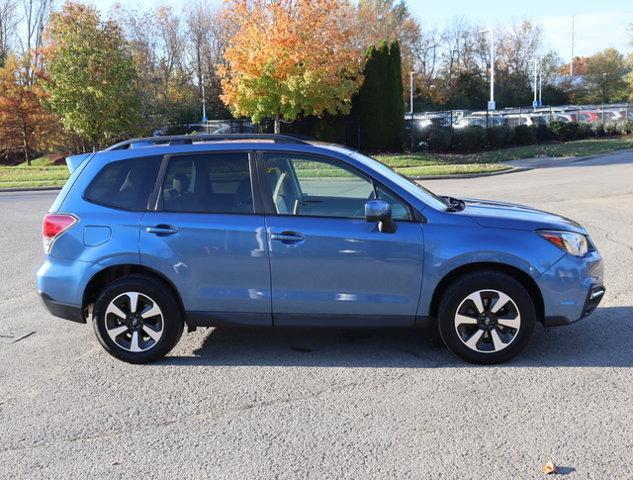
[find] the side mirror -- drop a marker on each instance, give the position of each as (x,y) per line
(380,211)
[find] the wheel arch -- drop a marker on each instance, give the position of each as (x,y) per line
(108,274)
(522,277)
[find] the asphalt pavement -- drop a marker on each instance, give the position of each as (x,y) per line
(301,404)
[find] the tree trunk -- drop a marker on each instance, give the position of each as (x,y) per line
(25,143)
(277,124)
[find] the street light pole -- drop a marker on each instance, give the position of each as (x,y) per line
(411,126)
(491,103)
(411,73)
(535,102)
(204,103)
(540,87)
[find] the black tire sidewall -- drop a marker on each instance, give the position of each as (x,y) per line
(471,283)
(172,317)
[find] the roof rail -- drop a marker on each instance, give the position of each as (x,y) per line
(206,137)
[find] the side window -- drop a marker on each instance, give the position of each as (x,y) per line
(322,187)
(399,211)
(210,183)
(126,184)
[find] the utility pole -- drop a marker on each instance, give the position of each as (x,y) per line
(573,33)
(491,102)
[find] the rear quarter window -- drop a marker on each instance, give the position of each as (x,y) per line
(125,184)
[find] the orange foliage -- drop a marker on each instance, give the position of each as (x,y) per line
(288,57)
(26,127)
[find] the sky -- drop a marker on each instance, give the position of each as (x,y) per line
(599,23)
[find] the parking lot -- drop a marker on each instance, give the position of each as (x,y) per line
(240,404)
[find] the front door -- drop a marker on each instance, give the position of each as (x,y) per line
(329,266)
(207,239)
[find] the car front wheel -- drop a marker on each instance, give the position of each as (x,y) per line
(137,319)
(486,317)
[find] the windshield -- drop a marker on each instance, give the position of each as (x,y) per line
(409,185)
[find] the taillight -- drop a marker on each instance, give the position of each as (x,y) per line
(54,226)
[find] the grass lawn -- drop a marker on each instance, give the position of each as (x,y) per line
(43,173)
(422,164)
(578,148)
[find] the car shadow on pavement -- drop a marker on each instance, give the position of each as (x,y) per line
(605,339)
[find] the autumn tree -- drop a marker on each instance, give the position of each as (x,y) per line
(91,76)
(289,57)
(26,127)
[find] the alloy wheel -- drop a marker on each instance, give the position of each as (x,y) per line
(487,321)
(134,322)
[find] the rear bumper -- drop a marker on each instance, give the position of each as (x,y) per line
(63,310)
(61,284)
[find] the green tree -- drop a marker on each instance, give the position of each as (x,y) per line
(379,100)
(606,77)
(470,92)
(91,76)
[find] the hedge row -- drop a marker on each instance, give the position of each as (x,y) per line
(475,139)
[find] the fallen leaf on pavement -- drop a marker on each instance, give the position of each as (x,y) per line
(549,467)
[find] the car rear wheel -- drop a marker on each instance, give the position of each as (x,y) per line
(137,319)
(486,317)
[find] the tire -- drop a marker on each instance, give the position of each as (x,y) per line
(143,334)
(486,317)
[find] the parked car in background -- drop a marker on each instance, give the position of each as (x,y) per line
(515,120)
(471,121)
(612,115)
(565,117)
(540,119)
(589,116)
(154,234)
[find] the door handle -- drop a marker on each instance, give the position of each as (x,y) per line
(162,230)
(287,237)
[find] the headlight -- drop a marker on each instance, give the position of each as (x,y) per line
(572,243)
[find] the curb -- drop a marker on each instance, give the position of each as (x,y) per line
(29,189)
(556,161)
(599,155)
(471,175)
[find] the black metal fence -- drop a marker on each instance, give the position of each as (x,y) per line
(346,129)
(418,123)
(524,116)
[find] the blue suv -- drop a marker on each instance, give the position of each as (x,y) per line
(154,234)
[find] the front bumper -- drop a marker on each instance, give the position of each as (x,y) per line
(572,288)
(594,297)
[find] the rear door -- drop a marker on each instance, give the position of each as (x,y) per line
(329,266)
(207,235)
